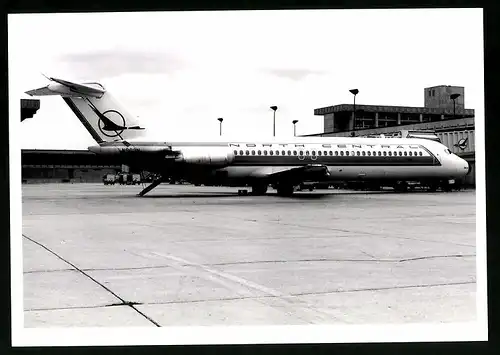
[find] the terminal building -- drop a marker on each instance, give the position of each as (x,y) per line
(443,115)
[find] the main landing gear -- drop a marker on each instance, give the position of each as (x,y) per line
(285,190)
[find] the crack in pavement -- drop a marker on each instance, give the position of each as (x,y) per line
(256,298)
(373,260)
(91,278)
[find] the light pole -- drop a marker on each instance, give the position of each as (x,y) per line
(294,123)
(354,92)
(454,97)
(274,108)
(220,119)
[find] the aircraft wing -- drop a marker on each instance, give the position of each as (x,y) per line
(296,174)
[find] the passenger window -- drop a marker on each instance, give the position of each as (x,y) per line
(347,153)
(289,153)
(325,153)
(400,153)
(390,154)
(336,153)
(271,152)
(258,152)
(313,153)
(253,152)
(247,152)
(235,152)
(369,153)
(265,152)
(301,152)
(342,153)
(358,154)
(420,153)
(385,154)
(277,152)
(331,153)
(307,152)
(319,152)
(404,154)
(294,152)
(241,152)
(283,152)
(379,153)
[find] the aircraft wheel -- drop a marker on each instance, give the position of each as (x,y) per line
(259,189)
(401,186)
(285,190)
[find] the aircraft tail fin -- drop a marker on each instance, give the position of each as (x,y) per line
(103,117)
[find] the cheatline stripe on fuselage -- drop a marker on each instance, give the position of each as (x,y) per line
(336,160)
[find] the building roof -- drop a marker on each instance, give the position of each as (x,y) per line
(393,109)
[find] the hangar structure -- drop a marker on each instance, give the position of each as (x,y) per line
(443,115)
(65,166)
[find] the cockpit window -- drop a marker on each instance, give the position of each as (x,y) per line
(447,151)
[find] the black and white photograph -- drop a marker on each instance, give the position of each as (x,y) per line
(247,177)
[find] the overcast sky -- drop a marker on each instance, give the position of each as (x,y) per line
(180,71)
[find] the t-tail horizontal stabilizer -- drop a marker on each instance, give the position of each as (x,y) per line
(67,88)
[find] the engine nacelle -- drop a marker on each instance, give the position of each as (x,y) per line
(214,156)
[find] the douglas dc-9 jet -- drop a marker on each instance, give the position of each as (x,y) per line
(284,164)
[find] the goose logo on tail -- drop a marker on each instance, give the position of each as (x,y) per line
(462,143)
(111,121)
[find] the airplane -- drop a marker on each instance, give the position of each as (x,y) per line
(283,164)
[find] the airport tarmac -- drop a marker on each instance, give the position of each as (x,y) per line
(97,255)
